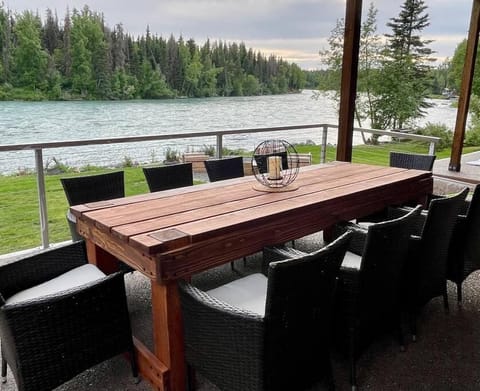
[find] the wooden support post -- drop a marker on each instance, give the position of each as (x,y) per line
(348,90)
(466,88)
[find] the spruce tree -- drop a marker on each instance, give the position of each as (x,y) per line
(5,44)
(405,42)
(404,84)
(50,32)
(28,56)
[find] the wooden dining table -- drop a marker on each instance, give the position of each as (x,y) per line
(173,234)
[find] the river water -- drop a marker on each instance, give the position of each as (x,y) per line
(34,122)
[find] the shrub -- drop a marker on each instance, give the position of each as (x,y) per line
(472,137)
(438,130)
(172,155)
(54,166)
(208,150)
(128,162)
(153,156)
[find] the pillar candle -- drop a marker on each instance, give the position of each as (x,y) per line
(274,167)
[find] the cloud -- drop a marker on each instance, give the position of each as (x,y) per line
(294,29)
(304,52)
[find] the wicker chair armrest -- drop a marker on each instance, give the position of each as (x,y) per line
(375,217)
(418,222)
(73,329)
(278,253)
(358,237)
(435,197)
(395,212)
(34,269)
(218,335)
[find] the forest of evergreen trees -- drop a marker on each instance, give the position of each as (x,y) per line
(82,58)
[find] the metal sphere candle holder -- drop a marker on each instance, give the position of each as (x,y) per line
(275,164)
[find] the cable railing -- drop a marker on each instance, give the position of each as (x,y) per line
(138,142)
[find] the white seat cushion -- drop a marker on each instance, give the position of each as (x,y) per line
(76,277)
(71,217)
(365,224)
(351,261)
(248,293)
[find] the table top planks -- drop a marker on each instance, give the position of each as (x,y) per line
(163,221)
(214,203)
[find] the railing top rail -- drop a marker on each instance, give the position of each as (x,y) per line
(128,139)
(397,134)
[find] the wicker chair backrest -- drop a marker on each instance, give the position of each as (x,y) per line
(298,316)
(92,188)
(431,265)
(383,260)
(221,169)
(412,160)
(169,176)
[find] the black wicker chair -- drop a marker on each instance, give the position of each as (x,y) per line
(464,252)
(274,334)
(221,169)
(412,161)
(368,303)
(92,188)
(169,176)
(402,160)
(426,272)
(64,326)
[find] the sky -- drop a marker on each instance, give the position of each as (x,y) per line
(295,30)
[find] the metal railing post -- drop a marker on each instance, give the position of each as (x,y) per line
(42,199)
(219,149)
(323,148)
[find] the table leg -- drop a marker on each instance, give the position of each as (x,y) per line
(168,331)
(164,368)
(105,261)
(328,234)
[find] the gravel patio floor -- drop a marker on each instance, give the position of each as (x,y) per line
(445,357)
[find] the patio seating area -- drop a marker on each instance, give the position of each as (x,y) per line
(445,357)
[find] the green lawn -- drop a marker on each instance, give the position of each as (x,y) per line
(376,154)
(19,220)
